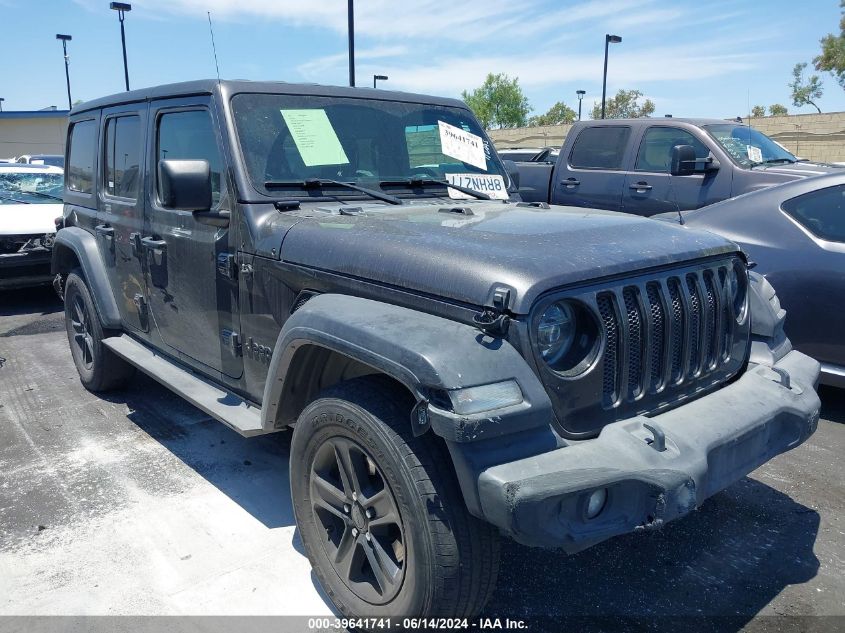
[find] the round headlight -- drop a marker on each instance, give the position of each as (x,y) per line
(556,331)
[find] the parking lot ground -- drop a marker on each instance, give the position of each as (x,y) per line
(137,503)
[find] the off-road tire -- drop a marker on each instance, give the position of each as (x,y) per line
(99,368)
(451,558)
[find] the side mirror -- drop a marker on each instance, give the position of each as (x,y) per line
(682,161)
(185,184)
(513,172)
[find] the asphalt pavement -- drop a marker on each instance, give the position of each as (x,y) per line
(139,504)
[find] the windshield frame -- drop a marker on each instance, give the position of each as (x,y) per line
(747,163)
(254,185)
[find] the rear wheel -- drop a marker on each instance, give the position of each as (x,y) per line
(380,512)
(99,368)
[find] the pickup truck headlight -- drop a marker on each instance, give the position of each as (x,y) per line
(567,337)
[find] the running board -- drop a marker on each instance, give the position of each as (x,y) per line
(231,410)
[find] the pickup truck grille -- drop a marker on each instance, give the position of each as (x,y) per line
(666,336)
(664,332)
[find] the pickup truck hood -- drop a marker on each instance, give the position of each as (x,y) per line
(464,257)
(29,219)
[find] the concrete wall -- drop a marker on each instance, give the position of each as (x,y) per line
(32,133)
(814,136)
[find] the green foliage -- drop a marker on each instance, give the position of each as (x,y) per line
(832,58)
(758,111)
(558,114)
(624,105)
(499,102)
(804,93)
(777,109)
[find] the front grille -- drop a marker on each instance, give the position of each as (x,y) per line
(664,333)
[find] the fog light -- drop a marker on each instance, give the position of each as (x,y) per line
(485,397)
(595,502)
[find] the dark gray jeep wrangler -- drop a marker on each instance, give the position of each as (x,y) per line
(454,363)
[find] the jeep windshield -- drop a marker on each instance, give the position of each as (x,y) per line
(30,187)
(290,142)
(747,146)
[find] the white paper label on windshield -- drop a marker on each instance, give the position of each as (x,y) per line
(465,146)
(754,153)
(491,184)
(315,137)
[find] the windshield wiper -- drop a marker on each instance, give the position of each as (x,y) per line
(421,182)
(14,199)
(311,183)
(775,161)
(37,193)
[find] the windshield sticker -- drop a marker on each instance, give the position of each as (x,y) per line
(465,146)
(315,137)
(491,184)
(754,153)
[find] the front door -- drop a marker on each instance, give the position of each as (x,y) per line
(191,284)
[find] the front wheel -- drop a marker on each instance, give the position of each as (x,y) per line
(380,512)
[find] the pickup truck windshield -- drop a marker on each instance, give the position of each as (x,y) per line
(747,146)
(293,139)
(30,188)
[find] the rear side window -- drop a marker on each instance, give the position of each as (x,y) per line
(190,135)
(123,156)
(600,147)
(655,150)
(821,212)
(83,149)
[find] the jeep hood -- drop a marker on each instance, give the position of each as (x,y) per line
(464,257)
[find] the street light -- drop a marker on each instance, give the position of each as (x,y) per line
(1,103)
(350,10)
(122,8)
(65,39)
(580,94)
(378,78)
(608,40)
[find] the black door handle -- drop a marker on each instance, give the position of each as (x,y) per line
(570,182)
(104,229)
(640,186)
(153,244)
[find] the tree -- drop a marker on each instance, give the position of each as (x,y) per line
(805,93)
(832,58)
(499,102)
(758,111)
(777,109)
(624,106)
(558,114)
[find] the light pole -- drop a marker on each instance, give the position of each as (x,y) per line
(1,103)
(122,8)
(65,39)
(378,78)
(580,94)
(608,40)
(351,33)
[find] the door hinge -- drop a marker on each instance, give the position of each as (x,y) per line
(227,265)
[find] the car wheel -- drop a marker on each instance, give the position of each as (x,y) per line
(380,512)
(99,368)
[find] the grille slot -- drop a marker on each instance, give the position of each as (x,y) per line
(663,333)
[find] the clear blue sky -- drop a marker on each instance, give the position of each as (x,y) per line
(691,58)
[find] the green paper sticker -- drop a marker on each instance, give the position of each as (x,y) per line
(315,137)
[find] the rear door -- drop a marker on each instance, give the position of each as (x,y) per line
(191,280)
(650,188)
(592,174)
(120,208)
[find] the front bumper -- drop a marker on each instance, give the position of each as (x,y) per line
(710,443)
(30,268)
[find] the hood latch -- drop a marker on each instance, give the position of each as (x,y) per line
(493,320)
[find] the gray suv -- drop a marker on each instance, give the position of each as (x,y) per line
(454,364)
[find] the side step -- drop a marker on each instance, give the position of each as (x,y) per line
(231,410)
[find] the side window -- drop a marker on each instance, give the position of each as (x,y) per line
(83,149)
(123,157)
(600,147)
(656,148)
(821,212)
(189,135)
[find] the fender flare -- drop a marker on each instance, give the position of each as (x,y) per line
(419,350)
(84,246)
